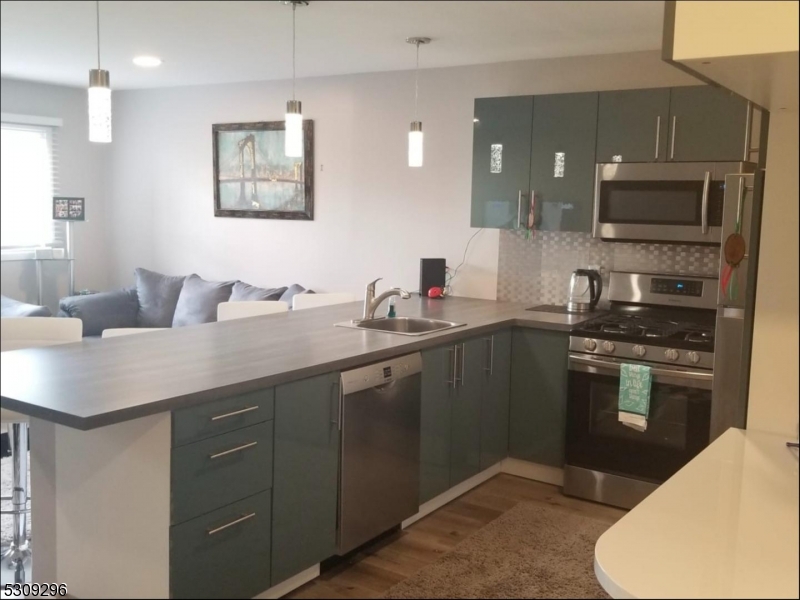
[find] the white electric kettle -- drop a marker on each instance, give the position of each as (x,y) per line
(585,287)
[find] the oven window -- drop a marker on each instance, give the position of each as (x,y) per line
(651,202)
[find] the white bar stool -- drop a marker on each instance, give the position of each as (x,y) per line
(301,301)
(227,311)
(117,332)
(17,333)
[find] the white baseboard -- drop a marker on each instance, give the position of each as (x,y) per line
(534,471)
(291,584)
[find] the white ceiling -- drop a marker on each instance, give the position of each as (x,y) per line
(217,42)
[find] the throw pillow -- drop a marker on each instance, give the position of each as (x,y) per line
(199,299)
(294,289)
(158,296)
(245,292)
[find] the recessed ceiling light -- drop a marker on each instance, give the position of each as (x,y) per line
(147,61)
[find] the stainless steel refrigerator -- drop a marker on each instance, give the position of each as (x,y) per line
(736,300)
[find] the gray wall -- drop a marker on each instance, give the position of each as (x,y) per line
(374,216)
(82,169)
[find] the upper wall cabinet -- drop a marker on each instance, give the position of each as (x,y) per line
(562,161)
(632,126)
(707,124)
(501,160)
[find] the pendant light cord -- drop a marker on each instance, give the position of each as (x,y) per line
(294,35)
(97,6)
(416,85)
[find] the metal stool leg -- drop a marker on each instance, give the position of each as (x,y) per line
(19,551)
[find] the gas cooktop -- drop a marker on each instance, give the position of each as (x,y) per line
(671,330)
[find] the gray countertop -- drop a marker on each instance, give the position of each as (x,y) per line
(95,383)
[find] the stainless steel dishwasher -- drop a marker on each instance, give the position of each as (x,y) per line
(379,475)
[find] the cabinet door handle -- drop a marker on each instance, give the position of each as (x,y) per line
(461,379)
(519,210)
(704,203)
(454,351)
(232,450)
(672,139)
(231,524)
(337,390)
(658,134)
(246,409)
(489,368)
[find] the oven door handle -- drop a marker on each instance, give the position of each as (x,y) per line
(696,379)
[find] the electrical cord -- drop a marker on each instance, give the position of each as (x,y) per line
(449,281)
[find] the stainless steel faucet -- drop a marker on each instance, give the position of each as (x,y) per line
(371,303)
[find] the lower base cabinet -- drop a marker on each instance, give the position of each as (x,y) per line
(223,554)
(538,396)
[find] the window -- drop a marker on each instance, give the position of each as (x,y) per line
(27,182)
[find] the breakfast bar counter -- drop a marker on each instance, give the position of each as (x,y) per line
(725,526)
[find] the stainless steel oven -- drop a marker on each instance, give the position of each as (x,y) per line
(662,202)
(612,463)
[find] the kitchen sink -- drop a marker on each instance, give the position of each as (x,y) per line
(402,325)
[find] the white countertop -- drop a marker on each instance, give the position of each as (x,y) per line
(724,526)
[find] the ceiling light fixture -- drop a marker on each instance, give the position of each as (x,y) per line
(415,133)
(148,62)
(99,96)
(294,108)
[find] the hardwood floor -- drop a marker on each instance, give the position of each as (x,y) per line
(374,570)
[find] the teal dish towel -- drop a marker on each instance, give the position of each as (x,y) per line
(634,395)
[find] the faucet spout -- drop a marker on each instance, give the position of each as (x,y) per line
(371,303)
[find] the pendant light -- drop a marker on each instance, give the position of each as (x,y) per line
(99,97)
(294,108)
(415,134)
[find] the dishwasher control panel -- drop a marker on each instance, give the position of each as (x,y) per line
(381,373)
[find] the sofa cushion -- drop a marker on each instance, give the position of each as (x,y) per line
(106,310)
(198,300)
(245,292)
(292,291)
(14,308)
(158,296)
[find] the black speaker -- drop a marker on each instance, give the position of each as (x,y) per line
(431,274)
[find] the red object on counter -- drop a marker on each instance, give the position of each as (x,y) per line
(435,292)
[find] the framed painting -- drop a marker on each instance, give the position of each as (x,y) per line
(254,178)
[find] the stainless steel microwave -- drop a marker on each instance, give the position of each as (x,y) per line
(662,202)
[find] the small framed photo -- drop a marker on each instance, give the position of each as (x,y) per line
(68,209)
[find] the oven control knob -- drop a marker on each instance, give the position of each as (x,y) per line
(671,354)
(609,346)
(693,357)
(590,345)
(639,350)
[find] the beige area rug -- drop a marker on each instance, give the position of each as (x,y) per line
(531,551)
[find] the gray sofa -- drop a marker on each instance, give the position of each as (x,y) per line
(158,300)
(14,308)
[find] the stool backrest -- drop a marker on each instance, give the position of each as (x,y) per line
(17,333)
(117,332)
(227,311)
(301,301)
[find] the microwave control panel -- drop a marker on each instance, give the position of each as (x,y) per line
(676,287)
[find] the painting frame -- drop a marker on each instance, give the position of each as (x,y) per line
(307,213)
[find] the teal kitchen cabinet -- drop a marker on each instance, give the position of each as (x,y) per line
(562,161)
(633,125)
(305,474)
(437,388)
(501,160)
(707,124)
(538,396)
(495,398)
(465,413)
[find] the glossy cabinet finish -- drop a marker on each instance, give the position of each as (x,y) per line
(633,125)
(465,412)
(706,124)
(306,471)
(214,472)
(538,396)
(214,418)
(224,553)
(495,398)
(437,388)
(505,124)
(562,161)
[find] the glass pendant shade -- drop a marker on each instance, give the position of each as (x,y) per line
(99,106)
(294,129)
(415,145)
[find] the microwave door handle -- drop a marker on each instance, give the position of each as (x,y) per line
(704,207)
(658,134)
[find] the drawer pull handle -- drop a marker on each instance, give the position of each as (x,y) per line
(232,450)
(234,413)
(231,524)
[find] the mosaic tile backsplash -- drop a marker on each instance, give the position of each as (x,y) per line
(537,270)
